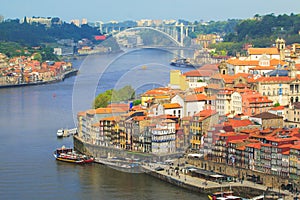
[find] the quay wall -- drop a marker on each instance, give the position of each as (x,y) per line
(268,180)
(101,151)
(244,191)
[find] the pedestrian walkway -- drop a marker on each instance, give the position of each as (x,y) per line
(204,184)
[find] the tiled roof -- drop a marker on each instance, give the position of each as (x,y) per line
(242,148)
(195,97)
(267,115)
(171,105)
(238,123)
(275,62)
(239,62)
(262,99)
(199,73)
(260,51)
(213,86)
(254,145)
(199,89)
(205,114)
(278,108)
(262,68)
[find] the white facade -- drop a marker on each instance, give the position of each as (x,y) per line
(163,138)
(193,85)
(236,103)
(189,108)
(258,56)
(194,107)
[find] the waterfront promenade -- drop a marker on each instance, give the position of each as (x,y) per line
(201,185)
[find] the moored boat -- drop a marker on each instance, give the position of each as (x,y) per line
(121,165)
(69,155)
(181,62)
(60,133)
(223,195)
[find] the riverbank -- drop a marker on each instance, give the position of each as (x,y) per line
(182,179)
(59,78)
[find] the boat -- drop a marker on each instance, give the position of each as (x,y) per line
(223,195)
(60,133)
(121,164)
(181,62)
(69,155)
(66,132)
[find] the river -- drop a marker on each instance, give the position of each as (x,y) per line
(30,117)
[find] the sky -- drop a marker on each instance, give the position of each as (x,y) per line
(121,10)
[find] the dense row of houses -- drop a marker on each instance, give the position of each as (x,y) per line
(26,69)
(243,112)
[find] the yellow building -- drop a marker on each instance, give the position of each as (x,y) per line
(178,80)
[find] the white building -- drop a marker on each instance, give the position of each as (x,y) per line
(191,104)
(163,138)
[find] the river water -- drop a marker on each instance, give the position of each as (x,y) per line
(30,117)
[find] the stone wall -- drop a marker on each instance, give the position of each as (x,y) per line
(267,179)
(100,151)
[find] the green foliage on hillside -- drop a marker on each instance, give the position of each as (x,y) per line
(105,98)
(13,49)
(220,27)
(35,34)
(261,31)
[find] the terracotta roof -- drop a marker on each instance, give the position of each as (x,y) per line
(171,105)
(239,123)
(195,97)
(199,89)
(236,141)
(275,62)
(205,113)
(278,108)
(254,145)
(296,147)
(242,148)
(239,62)
(213,86)
(262,99)
(112,118)
(260,51)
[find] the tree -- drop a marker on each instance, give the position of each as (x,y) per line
(103,99)
(37,56)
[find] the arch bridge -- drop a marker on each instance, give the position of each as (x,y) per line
(176,33)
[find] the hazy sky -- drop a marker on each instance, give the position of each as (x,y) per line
(120,10)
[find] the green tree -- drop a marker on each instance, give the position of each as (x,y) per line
(137,102)
(104,99)
(37,56)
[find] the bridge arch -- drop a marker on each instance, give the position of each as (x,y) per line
(150,28)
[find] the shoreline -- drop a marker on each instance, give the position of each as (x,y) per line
(183,179)
(59,78)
